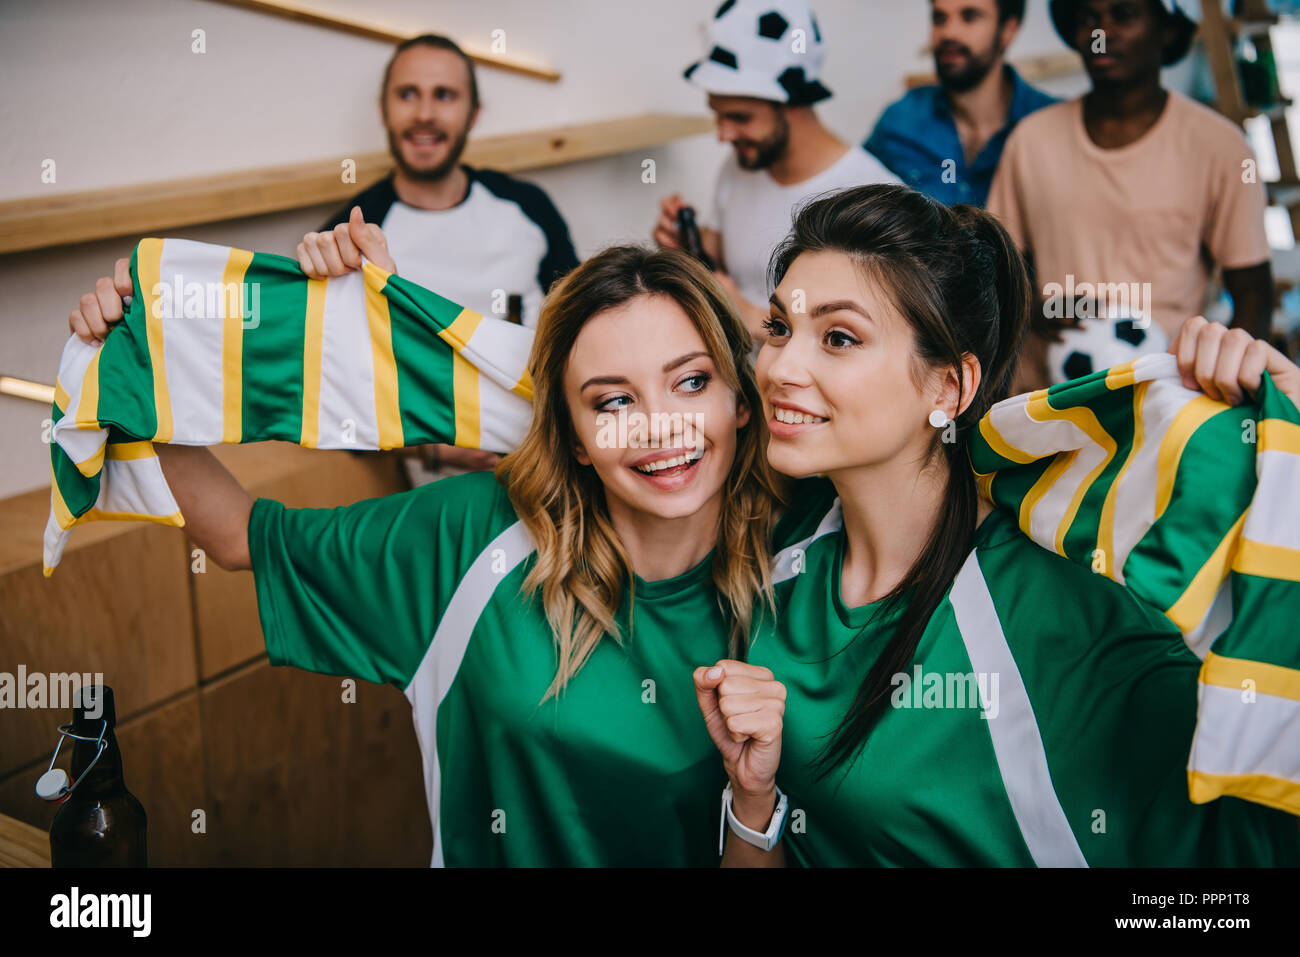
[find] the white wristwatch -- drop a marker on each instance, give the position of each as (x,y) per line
(763,841)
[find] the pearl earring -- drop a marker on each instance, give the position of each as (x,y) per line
(938,418)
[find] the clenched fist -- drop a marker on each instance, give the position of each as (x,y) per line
(744,710)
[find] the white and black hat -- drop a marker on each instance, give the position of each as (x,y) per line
(769,49)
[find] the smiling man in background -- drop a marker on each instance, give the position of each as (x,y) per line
(946,139)
(474,236)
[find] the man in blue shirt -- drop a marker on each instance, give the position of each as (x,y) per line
(946,139)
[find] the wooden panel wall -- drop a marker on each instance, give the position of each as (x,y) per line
(283,770)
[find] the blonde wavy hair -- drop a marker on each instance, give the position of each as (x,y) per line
(581,565)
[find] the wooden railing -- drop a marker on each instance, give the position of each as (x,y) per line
(60,219)
(374,31)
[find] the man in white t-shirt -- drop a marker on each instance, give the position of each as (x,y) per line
(761,76)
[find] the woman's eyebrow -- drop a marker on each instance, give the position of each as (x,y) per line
(840,305)
(835,305)
(682,360)
(604,380)
(669,366)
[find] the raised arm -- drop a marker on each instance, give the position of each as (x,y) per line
(216,507)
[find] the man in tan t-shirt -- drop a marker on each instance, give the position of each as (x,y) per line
(1132,192)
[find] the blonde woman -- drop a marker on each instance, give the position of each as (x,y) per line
(543,621)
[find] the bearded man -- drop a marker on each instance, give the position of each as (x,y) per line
(946,139)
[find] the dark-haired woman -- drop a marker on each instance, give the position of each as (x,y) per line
(893,318)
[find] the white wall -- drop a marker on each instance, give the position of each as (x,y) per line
(113,94)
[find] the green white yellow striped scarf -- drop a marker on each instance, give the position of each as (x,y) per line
(1194,506)
(225,345)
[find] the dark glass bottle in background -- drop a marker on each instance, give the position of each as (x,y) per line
(515,309)
(1258,72)
(101,824)
(688,231)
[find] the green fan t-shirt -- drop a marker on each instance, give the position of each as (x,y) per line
(1046,719)
(421,590)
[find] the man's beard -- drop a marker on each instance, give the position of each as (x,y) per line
(769,150)
(442,170)
(959,79)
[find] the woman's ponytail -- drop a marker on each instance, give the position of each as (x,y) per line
(1014,297)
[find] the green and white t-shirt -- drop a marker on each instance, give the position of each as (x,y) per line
(1090,697)
(421,590)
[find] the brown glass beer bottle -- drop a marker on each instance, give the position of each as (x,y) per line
(100,824)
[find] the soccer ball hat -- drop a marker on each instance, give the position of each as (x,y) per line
(1101,343)
(768,49)
(1186,14)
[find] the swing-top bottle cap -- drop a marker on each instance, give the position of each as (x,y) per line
(52,784)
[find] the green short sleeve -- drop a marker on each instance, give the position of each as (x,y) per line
(359,590)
